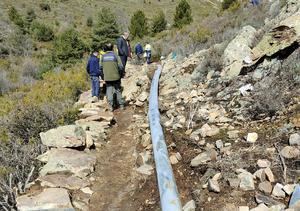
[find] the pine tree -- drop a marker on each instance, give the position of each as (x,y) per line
(159,22)
(183,14)
(68,48)
(17,19)
(105,29)
(138,24)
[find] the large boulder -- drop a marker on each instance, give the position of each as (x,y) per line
(59,160)
(50,199)
(64,136)
(237,50)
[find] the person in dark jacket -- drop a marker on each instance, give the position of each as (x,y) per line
(139,51)
(93,69)
(112,71)
(123,48)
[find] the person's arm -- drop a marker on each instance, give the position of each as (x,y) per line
(88,66)
(101,69)
(120,46)
(121,67)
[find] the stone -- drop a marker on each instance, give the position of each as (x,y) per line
(79,163)
(290,152)
(234,182)
(237,50)
(189,206)
(143,96)
(144,158)
(261,175)
(261,198)
(233,134)
(101,116)
(247,182)
(146,140)
(261,207)
(63,181)
(219,144)
(139,103)
(278,191)
(217,176)
(278,207)
(265,187)
(89,139)
(294,139)
(263,163)
(64,136)
(230,207)
(87,190)
(209,131)
(48,199)
(252,137)
(289,188)
(200,159)
(243,208)
(269,174)
(178,156)
(145,169)
(173,159)
(213,186)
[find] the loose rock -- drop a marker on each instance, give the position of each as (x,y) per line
(252,137)
(263,163)
(278,191)
(294,139)
(290,152)
(265,187)
(213,186)
(190,206)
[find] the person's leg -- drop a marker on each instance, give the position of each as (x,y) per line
(123,60)
(118,91)
(110,95)
(97,87)
(93,86)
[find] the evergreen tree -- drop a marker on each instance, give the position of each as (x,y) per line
(41,32)
(89,21)
(159,22)
(68,48)
(105,29)
(138,24)
(183,14)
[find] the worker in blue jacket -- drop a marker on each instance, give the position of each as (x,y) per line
(93,69)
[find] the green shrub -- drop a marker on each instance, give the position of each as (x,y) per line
(45,7)
(105,29)
(138,24)
(30,16)
(201,35)
(89,21)
(159,23)
(68,48)
(183,14)
(16,18)
(228,3)
(42,32)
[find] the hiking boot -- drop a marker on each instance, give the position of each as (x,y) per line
(111,108)
(94,99)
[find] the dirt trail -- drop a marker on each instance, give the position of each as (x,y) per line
(114,171)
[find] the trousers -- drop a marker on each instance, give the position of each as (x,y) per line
(114,88)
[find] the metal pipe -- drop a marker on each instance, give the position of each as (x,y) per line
(169,197)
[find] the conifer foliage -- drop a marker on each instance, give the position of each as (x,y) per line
(105,29)
(138,24)
(183,14)
(159,22)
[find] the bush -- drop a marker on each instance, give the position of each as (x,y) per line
(68,48)
(105,30)
(30,16)
(138,24)
(42,32)
(89,21)
(16,18)
(159,22)
(45,7)
(183,14)
(201,35)
(226,4)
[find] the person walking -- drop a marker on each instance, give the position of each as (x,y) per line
(112,71)
(123,48)
(148,53)
(139,52)
(93,69)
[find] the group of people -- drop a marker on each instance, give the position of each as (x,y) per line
(140,53)
(110,67)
